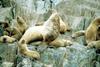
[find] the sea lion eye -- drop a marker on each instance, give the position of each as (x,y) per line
(4,40)
(98,29)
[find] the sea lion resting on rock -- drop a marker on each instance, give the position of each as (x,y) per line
(15,31)
(48,32)
(61,42)
(92,34)
(64,27)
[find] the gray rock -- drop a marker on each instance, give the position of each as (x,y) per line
(8,52)
(7,64)
(5,13)
(97,64)
(74,56)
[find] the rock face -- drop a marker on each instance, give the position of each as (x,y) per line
(74,56)
(77,13)
(8,53)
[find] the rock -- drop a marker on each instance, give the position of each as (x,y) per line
(8,52)
(26,9)
(26,62)
(97,63)
(7,64)
(5,13)
(74,56)
(6,3)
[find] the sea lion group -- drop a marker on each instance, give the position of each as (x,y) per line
(48,32)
